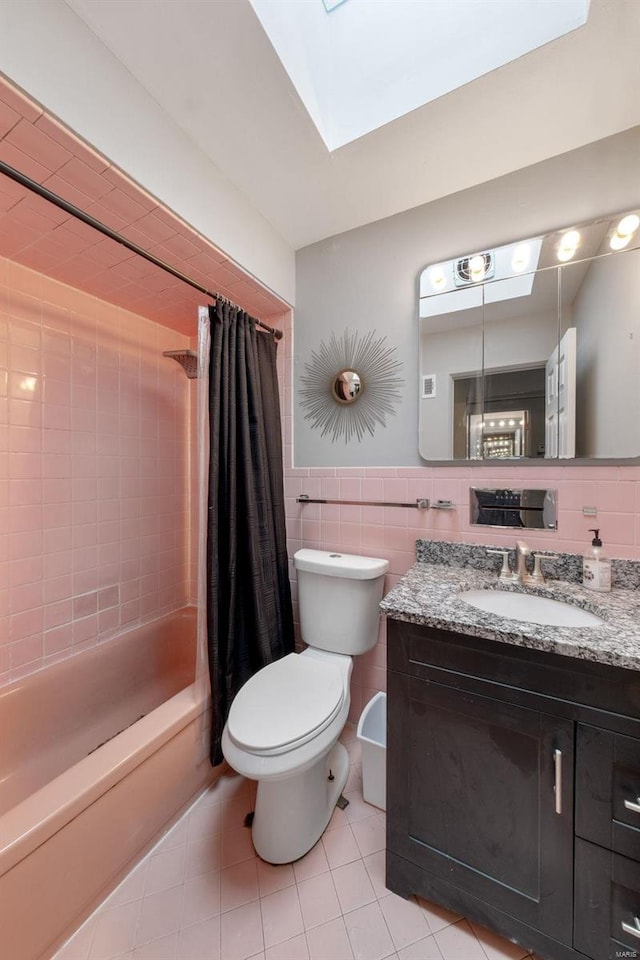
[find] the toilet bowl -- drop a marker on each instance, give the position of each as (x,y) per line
(284,724)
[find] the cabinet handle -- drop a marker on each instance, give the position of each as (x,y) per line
(557,786)
(630,805)
(633,930)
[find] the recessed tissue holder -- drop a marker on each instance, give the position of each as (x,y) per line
(532,509)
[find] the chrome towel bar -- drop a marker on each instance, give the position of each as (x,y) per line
(419,504)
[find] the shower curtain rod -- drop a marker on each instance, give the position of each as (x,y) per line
(42,191)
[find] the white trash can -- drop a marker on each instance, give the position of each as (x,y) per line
(372,733)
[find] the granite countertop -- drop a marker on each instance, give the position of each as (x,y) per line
(428,594)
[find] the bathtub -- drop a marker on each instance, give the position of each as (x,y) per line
(98,754)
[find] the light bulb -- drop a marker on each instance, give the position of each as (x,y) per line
(476,268)
(624,231)
(520,259)
(437,278)
(568,245)
(628,224)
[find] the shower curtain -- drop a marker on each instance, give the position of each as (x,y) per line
(249,613)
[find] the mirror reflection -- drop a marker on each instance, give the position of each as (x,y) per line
(347,386)
(532,350)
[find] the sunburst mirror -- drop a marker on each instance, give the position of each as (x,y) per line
(350,385)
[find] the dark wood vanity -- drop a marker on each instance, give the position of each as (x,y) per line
(513,786)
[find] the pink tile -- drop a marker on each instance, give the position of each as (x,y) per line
(272,878)
(353,886)
(459,942)
(340,846)
(159,916)
(80,175)
(426,949)
(437,917)
(72,144)
(201,940)
(37,144)
(131,888)
(18,101)
(368,933)
(26,596)
(242,932)
(23,162)
(312,864)
(281,916)
(163,949)
(294,949)
(202,898)
(318,900)
(114,931)
(329,941)
(236,846)
(239,884)
(405,920)
(376,866)
(166,868)
(8,118)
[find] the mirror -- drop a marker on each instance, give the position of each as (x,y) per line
(347,386)
(532,350)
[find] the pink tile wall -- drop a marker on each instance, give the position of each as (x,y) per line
(40,236)
(392,532)
(94,471)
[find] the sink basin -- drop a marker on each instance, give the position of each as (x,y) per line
(530,608)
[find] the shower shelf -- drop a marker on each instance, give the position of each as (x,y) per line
(419,504)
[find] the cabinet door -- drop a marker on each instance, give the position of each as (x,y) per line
(607,904)
(480,793)
(608,790)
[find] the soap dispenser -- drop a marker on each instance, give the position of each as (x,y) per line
(596,568)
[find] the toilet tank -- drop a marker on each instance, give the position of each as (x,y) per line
(338,597)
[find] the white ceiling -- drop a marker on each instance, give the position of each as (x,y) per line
(212,68)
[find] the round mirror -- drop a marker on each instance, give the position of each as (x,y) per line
(347,386)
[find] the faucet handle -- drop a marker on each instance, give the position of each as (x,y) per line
(537,577)
(506,572)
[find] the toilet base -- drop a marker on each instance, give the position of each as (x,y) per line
(292,814)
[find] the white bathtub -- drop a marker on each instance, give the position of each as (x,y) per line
(85,786)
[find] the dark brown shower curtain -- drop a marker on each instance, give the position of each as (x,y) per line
(249,615)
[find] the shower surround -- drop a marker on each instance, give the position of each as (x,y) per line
(95,507)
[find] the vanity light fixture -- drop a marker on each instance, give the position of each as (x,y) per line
(624,231)
(477,268)
(520,259)
(437,277)
(568,245)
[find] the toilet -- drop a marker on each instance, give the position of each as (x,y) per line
(283,725)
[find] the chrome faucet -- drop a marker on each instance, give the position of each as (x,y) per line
(522,552)
(520,574)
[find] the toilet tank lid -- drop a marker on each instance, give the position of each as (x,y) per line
(335,564)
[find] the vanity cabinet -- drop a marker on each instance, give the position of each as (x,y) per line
(486,741)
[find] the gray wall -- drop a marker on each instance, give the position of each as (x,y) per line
(367,279)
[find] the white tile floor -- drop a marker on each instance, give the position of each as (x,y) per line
(202,894)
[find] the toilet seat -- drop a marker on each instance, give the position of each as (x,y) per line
(285,704)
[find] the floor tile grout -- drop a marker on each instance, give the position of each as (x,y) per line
(195,830)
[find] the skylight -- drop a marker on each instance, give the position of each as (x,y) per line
(372,61)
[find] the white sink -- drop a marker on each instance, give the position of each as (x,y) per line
(530,608)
